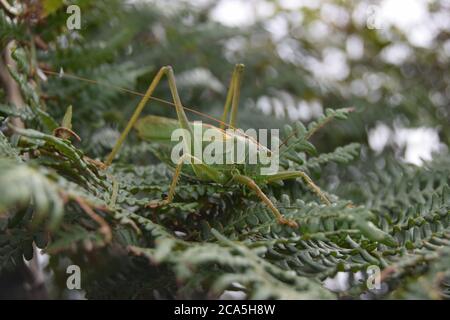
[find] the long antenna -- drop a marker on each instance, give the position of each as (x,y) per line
(190,109)
(137,93)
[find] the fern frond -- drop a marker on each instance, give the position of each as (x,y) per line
(22,186)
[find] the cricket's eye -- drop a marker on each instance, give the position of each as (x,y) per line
(164,196)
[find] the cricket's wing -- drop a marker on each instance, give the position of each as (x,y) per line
(160,129)
(156,129)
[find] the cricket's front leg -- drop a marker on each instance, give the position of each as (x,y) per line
(173,185)
(253,186)
(206,171)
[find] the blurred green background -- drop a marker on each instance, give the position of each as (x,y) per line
(388,59)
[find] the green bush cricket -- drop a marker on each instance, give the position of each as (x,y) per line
(159,129)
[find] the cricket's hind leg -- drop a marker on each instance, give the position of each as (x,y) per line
(136,115)
(300,174)
(184,123)
(233,96)
(253,186)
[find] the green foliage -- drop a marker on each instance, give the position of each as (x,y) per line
(9,30)
(25,186)
(55,194)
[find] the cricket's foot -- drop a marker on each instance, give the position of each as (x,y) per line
(156,204)
(288,222)
(97,163)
